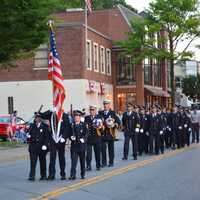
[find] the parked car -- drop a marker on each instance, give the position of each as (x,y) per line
(7,129)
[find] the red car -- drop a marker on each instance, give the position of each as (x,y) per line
(7,129)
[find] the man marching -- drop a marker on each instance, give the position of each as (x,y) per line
(111,122)
(78,137)
(38,141)
(95,127)
(130,123)
(59,134)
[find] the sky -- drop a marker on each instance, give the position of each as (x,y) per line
(140,5)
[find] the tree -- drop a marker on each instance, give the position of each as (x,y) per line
(191,86)
(180,21)
(23,24)
(23,27)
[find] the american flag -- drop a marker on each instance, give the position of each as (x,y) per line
(89,5)
(55,75)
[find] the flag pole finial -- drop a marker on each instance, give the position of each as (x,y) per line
(50,24)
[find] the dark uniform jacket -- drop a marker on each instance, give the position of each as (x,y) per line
(186,121)
(154,124)
(65,124)
(79,131)
(130,121)
(93,133)
(176,121)
(144,122)
(38,136)
(106,134)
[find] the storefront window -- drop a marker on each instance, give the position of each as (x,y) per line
(147,72)
(157,72)
(124,98)
(125,71)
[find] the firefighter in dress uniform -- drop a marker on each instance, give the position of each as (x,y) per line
(38,138)
(95,127)
(162,129)
(57,145)
(111,122)
(130,122)
(78,137)
(154,142)
(143,136)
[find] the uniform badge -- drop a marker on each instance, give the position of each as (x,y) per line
(41,130)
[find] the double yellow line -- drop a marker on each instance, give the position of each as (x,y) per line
(115,172)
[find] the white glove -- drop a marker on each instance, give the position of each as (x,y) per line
(28,136)
(141,130)
(169,129)
(44,147)
(180,127)
(137,130)
(190,129)
(82,140)
(147,133)
(62,140)
(185,125)
(161,132)
(73,138)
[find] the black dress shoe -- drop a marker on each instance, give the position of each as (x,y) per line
(43,178)
(72,178)
(51,178)
(98,168)
(135,158)
(111,165)
(88,168)
(82,177)
(103,165)
(124,158)
(63,178)
(31,179)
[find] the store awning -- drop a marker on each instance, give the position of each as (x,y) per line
(153,91)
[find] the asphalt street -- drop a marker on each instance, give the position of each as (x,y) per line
(174,175)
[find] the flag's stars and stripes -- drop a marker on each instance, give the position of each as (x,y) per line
(55,75)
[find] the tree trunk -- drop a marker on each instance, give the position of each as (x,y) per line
(172,81)
(172,70)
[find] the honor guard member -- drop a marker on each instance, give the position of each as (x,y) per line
(168,132)
(95,127)
(78,137)
(129,122)
(180,132)
(38,141)
(162,129)
(186,128)
(111,122)
(142,139)
(59,135)
(154,131)
(176,126)
(146,131)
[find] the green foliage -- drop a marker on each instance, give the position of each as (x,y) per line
(23,26)
(191,86)
(179,20)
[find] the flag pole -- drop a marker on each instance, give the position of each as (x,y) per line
(50,24)
(54,125)
(86,34)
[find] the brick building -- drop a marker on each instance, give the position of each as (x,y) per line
(105,74)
